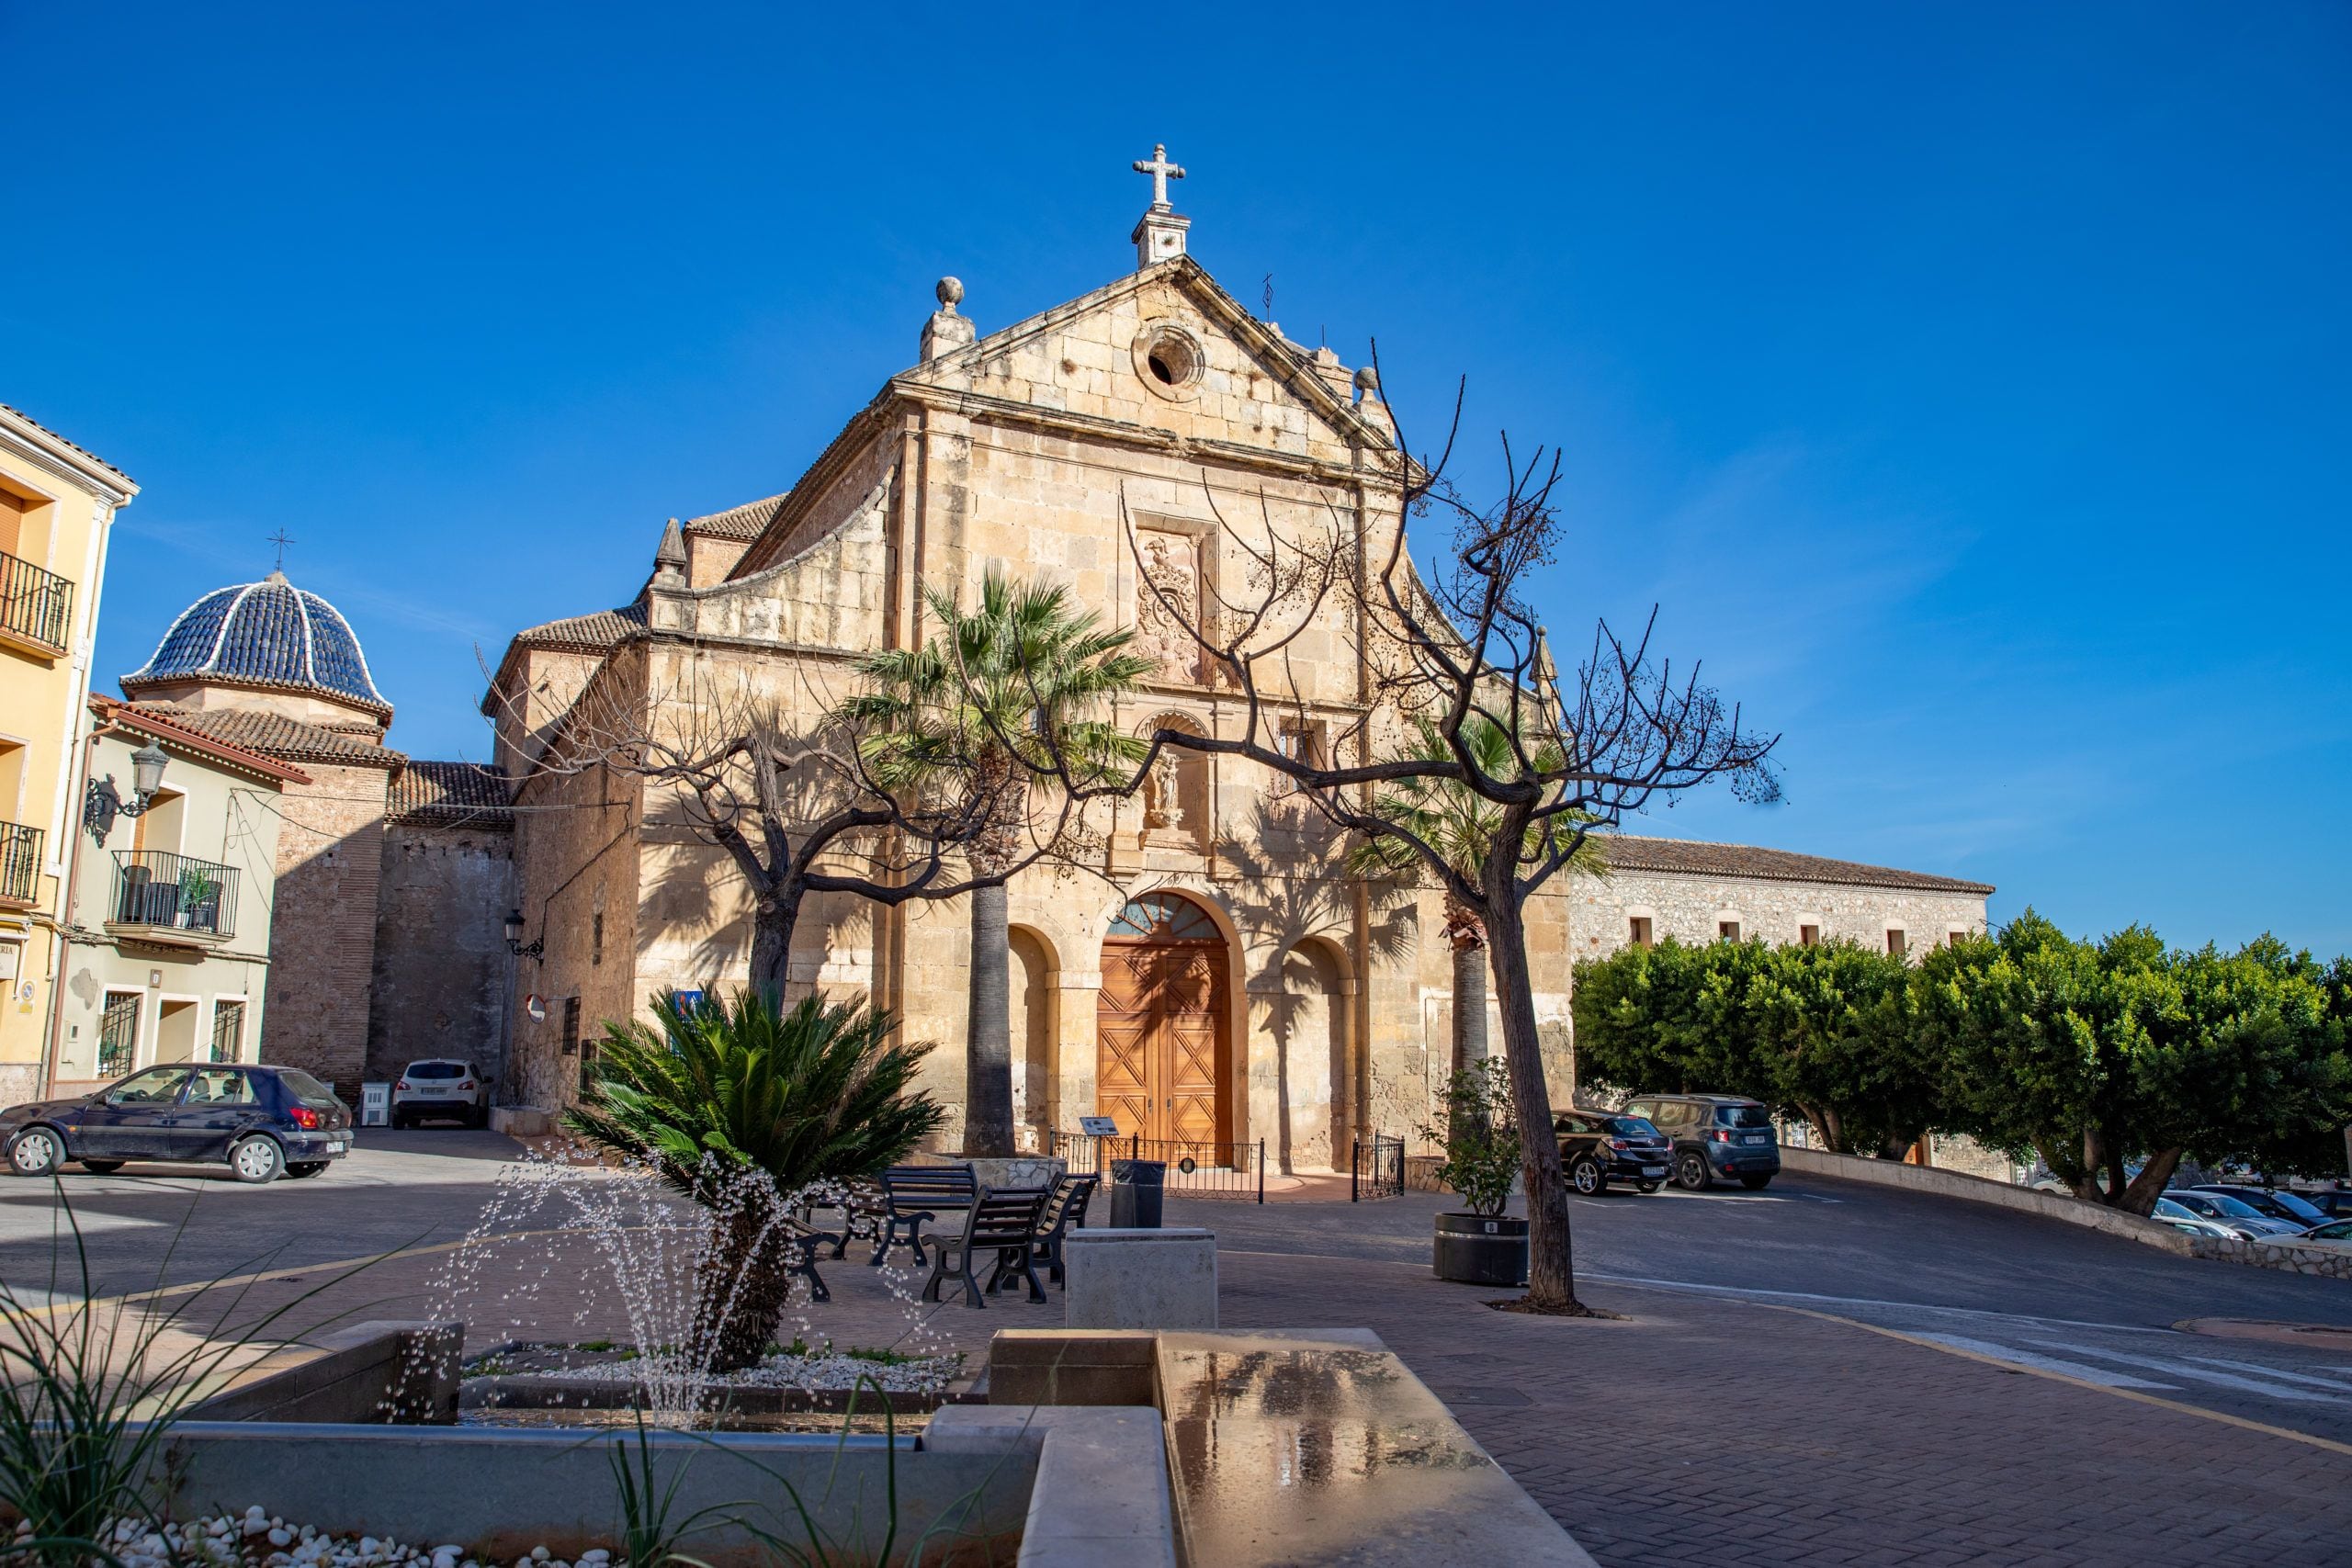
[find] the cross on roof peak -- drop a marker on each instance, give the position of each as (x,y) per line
(1161,170)
(281,541)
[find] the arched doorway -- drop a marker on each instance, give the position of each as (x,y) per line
(1163,1067)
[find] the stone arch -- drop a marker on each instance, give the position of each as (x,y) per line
(1033,1010)
(1215,941)
(1301,1057)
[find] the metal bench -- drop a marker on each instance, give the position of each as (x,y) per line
(1003,1223)
(800,1244)
(913,1193)
(862,1207)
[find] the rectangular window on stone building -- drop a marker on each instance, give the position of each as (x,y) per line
(1954,938)
(228,1030)
(571,1026)
(595,939)
(1727,930)
(1808,936)
(1641,930)
(1896,942)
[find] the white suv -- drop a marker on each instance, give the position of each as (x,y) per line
(441,1088)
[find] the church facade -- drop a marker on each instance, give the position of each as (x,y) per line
(1211,973)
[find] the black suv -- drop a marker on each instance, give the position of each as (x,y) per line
(1601,1146)
(263,1122)
(1714,1135)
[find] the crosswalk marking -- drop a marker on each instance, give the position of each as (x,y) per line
(2338,1385)
(2198,1374)
(2100,1376)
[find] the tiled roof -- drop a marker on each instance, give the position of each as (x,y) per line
(274,735)
(167,723)
(264,634)
(591,632)
(69,446)
(744,522)
(450,795)
(1624,852)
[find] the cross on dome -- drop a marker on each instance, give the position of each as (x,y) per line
(1161,170)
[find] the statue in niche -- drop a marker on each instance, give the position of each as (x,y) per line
(1165,618)
(1162,809)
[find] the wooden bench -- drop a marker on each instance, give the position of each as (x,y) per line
(913,1193)
(1002,1222)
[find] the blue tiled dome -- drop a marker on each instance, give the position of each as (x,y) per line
(265,633)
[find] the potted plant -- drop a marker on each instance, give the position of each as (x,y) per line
(1481,1246)
(199,899)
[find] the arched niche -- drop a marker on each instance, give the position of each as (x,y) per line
(1032,1000)
(1300,1060)
(1176,801)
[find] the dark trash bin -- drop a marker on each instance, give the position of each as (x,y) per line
(1138,1187)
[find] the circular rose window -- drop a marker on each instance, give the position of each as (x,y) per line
(1169,359)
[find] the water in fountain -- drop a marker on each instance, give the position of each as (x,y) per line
(655,1253)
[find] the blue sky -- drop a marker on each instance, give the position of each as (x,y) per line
(1965,383)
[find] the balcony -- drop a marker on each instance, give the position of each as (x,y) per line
(19,863)
(172,898)
(36,606)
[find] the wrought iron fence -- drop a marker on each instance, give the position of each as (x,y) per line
(1378,1171)
(174,892)
(1195,1169)
(35,602)
(19,862)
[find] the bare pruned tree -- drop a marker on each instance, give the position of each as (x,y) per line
(796,803)
(1461,659)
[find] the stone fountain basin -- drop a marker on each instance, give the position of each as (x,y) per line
(500,1491)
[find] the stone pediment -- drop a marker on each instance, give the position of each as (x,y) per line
(1167,351)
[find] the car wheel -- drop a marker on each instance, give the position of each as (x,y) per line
(296,1169)
(1649,1185)
(1691,1172)
(102,1166)
(1587,1177)
(257,1160)
(1755,1183)
(37,1152)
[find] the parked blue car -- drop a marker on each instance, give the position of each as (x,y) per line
(263,1122)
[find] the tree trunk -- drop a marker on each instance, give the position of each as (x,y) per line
(987,1048)
(1551,1267)
(772,918)
(2140,1198)
(1469,1004)
(743,1289)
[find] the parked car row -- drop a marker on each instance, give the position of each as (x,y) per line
(262,1122)
(2251,1214)
(1694,1139)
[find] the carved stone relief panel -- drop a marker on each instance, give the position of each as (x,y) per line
(1168,601)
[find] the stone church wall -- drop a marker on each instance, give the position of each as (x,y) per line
(323,925)
(1689,909)
(441,972)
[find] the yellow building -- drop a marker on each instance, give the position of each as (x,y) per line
(57,505)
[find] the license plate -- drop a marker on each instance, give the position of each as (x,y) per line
(1756,1138)
(335,1148)
(1653,1171)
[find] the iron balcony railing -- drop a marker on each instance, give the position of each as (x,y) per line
(168,892)
(35,602)
(19,863)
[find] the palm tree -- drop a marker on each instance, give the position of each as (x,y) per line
(739,1107)
(984,709)
(1460,825)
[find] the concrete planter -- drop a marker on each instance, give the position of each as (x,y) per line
(1014,1170)
(1472,1250)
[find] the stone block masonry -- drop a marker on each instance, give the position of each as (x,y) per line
(440,977)
(322,932)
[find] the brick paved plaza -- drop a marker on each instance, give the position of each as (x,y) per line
(1777,1429)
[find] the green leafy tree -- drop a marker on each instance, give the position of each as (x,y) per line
(993,703)
(738,1106)
(1478,1128)
(1459,824)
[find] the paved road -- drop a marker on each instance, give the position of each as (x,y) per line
(162,1224)
(2026,1291)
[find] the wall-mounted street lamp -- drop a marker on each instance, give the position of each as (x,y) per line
(536,951)
(104,803)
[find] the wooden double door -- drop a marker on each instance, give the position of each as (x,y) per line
(1160,1028)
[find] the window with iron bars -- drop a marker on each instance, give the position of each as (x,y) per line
(228,1030)
(118,1032)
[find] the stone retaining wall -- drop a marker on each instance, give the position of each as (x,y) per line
(2327,1262)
